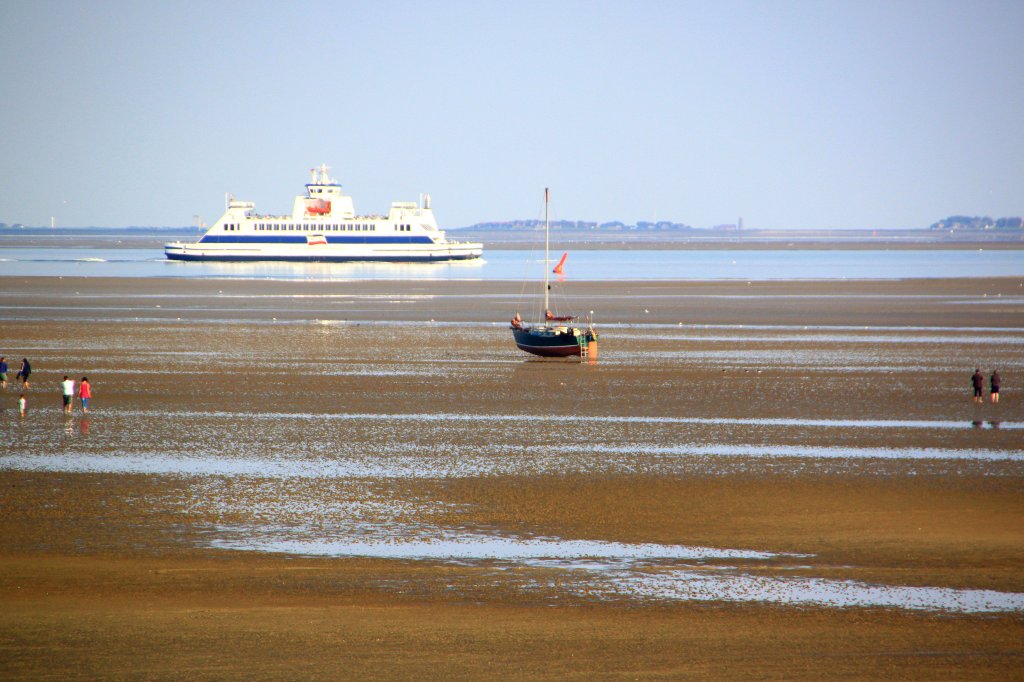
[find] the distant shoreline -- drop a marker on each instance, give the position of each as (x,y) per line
(861,240)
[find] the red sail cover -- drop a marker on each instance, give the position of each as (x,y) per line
(318,206)
(551,317)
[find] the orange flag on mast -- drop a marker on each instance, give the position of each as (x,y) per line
(558,268)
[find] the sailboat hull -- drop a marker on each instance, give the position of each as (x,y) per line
(549,343)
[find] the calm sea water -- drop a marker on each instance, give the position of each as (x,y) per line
(518,265)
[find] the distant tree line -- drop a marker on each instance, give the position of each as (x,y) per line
(963,222)
(612,226)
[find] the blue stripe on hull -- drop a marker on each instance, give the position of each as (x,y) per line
(318,259)
(301,239)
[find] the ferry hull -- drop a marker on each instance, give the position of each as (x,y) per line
(320,254)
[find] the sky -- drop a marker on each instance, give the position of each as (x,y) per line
(812,114)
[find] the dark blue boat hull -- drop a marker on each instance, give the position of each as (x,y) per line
(549,344)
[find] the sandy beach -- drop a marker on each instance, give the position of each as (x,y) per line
(366,480)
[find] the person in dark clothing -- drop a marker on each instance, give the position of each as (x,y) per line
(994,382)
(23,374)
(979,384)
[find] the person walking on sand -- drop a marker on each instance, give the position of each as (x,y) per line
(84,394)
(22,403)
(68,386)
(994,382)
(23,373)
(979,384)
(3,372)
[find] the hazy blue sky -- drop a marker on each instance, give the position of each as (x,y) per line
(855,114)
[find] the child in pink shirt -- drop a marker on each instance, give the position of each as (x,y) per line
(85,393)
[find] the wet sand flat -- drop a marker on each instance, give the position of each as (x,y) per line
(366,480)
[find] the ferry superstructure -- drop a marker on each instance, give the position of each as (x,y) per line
(324,227)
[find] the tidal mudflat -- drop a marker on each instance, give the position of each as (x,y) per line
(366,479)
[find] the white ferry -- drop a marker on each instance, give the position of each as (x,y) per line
(324,227)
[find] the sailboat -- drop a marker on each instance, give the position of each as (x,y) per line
(555,336)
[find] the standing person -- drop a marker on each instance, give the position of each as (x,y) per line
(68,385)
(3,372)
(22,404)
(84,393)
(23,373)
(995,380)
(979,383)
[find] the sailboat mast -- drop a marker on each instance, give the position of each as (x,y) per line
(547,244)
